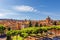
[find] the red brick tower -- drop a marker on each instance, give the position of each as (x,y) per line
(48,20)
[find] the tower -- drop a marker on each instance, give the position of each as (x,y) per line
(48,19)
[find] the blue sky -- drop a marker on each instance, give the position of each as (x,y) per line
(29,9)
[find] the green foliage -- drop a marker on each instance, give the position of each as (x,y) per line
(32,34)
(8,38)
(38,34)
(2,28)
(44,29)
(9,33)
(19,38)
(24,35)
(31,31)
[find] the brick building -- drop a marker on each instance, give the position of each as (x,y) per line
(19,24)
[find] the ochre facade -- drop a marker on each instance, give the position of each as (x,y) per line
(19,24)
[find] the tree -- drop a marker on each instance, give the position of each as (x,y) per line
(30,24)
(40,25)
(2,28)
(36,25)
(24,35)
(9,33)
(9,28)
(54,23)
(16,33)
(41,31)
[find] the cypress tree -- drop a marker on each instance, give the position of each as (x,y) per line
(30,24)
(36,25)
(40,25)
(54,23)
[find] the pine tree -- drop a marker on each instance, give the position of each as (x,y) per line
(30,24)
(40,25)
(54,23)
(36,25)
(9,28)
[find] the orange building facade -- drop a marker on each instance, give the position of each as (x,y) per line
(19,24)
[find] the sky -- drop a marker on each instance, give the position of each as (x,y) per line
(29,9)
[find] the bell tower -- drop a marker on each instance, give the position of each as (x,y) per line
(48,19)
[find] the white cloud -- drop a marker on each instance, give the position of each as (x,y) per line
(4,12)
(1,15)
(24,8)
(9,14)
